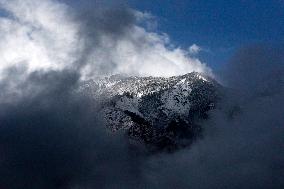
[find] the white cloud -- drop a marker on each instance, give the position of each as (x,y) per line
(151,58)
(38,33)
(44,35)
(194,49)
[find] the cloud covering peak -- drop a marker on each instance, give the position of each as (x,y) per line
(49,35)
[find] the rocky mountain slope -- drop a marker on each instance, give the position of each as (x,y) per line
(162,113)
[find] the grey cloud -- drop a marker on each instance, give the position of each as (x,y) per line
(55,139)
(51,137)
(241,151)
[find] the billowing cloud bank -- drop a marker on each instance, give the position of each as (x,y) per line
(243,139)
(50,35)
(51,137)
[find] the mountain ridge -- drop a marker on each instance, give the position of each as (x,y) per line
(162,113)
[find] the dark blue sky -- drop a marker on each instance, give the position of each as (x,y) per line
(220,26)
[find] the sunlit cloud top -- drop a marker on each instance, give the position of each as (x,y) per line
(47,35)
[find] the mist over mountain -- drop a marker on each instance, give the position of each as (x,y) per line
(68,121)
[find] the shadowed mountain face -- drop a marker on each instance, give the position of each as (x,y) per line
(163,113)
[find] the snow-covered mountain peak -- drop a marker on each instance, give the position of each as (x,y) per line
(160,112)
